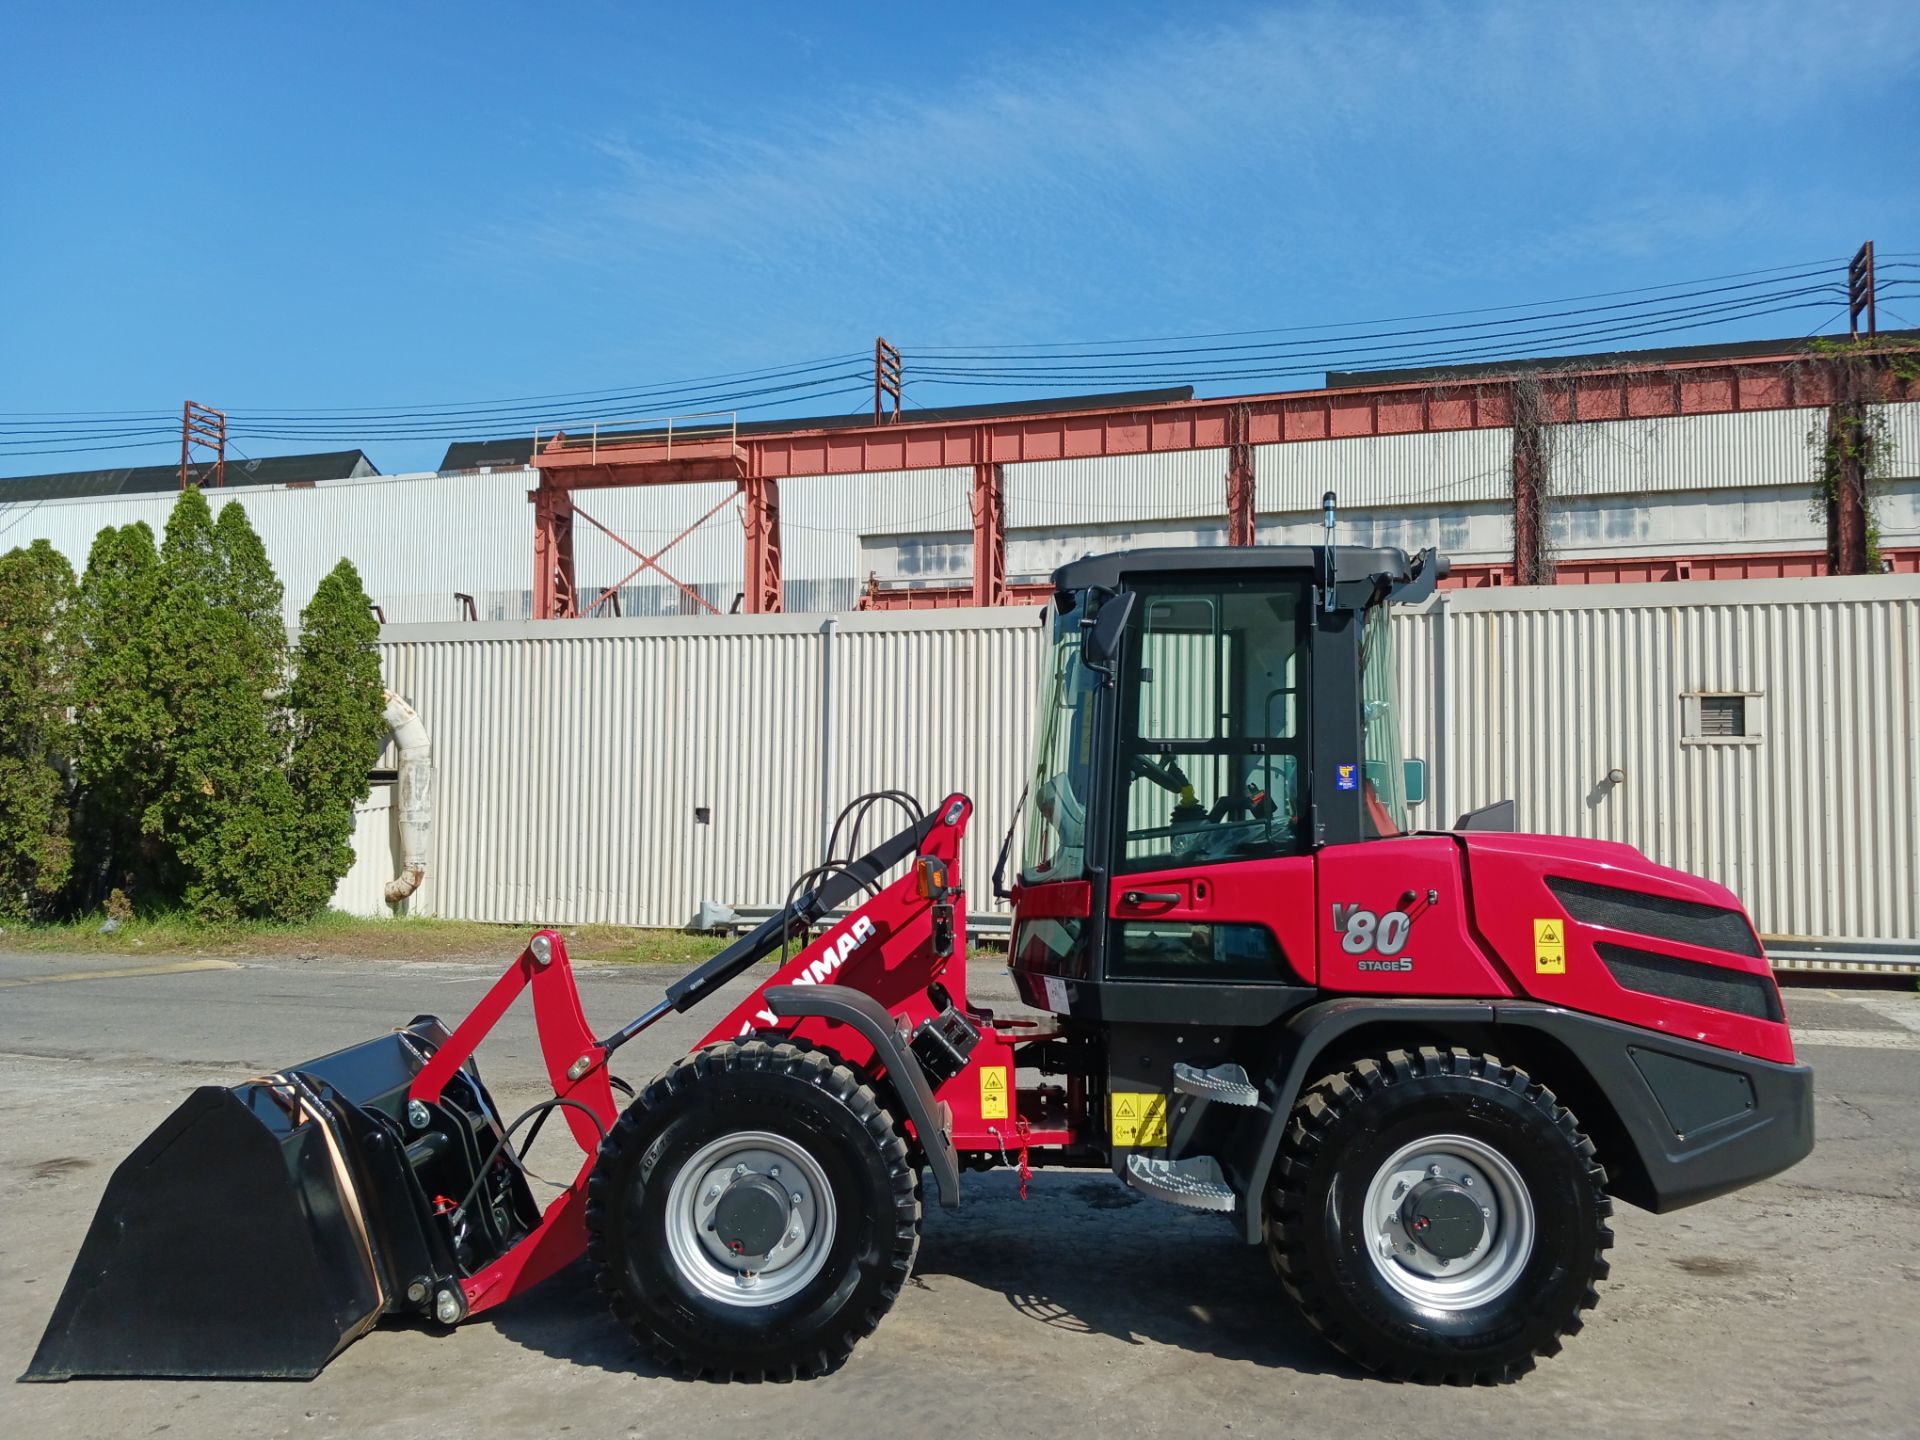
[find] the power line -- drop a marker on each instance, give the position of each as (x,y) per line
(1521,330)
(1394,334)
(1402,319)
(1290,365)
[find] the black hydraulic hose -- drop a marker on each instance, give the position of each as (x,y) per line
(854,876)
(506,1138)
(526,1149)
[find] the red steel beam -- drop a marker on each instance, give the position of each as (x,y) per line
(989,536)
(1242,503)
(1694,387)
(1475,575)
(765,587)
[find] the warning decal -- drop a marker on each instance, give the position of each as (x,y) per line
(1138,1119)
(993,1092)
(1549,947)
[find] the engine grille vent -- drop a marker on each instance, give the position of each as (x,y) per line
(1685,922)
(1692,982)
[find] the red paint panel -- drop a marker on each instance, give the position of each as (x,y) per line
(1509,874)
(1353,416)
(1275,894)
(1062,900)
(1440,954)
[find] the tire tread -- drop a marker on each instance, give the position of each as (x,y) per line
(1289,1234)
(631,1133)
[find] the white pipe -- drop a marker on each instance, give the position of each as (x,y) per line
(413,797)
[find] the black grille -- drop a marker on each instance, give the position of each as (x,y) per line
(1696,984)
(1685,922)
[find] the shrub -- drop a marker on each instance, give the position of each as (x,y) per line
(337,701)
(36,675)
(225,807)
(120,720)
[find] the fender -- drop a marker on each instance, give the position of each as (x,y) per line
(876,1027)
(1700,1121)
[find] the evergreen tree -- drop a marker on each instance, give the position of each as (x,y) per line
(36,674)
(337,701)
(120,719)
(225,806)
(250,589)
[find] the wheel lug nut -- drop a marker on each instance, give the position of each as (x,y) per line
(1434,1171)
(738,1171)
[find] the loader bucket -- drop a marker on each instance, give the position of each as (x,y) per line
(261,1229)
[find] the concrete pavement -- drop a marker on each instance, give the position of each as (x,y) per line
(1792,1308)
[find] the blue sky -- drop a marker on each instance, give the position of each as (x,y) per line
(342,205)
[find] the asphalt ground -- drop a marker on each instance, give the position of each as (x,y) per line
(1790,1309)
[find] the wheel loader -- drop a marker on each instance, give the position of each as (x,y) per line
(1417,1067)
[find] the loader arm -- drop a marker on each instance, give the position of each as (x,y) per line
(887,946)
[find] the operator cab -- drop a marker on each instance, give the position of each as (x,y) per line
(1208,719)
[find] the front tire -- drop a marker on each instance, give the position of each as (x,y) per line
(754,1213)
(1438,1216)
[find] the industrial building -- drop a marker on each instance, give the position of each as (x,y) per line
(1695,464)
(585,622)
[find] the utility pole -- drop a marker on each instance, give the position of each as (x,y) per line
(1860,291)
(886,378)
(206,428)
(1849,437)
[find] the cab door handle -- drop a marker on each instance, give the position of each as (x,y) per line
(1151,897)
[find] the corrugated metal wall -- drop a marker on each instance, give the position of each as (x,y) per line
(572,756)
(1815,823)
(376,858)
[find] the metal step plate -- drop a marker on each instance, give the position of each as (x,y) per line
(1222,1084)
(1195,1183)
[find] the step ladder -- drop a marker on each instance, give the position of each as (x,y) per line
(1195,1183)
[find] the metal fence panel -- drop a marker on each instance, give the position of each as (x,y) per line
(574,757)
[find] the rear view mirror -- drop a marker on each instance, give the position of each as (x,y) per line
(1413,781)
(1102,642)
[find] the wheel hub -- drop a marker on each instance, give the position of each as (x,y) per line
(751,1217)
(1443,1218)
(1450,1222)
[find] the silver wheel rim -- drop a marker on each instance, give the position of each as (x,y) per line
(699,1254)
(1486,1272)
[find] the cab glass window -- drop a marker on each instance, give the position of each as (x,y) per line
(1213,708)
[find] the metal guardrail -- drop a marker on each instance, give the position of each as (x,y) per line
(671,428)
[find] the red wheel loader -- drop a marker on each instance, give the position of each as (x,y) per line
(1418,1067)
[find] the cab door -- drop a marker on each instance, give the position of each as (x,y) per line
(1211,880)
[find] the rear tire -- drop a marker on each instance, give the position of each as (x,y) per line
(731,1287)
(1462,1276)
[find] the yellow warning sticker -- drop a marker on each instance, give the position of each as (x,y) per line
(993,1092)
(1138,1119)
(1549,947)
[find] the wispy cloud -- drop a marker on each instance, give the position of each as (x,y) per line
(1188,156)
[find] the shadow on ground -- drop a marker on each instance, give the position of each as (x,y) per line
(1082,1256)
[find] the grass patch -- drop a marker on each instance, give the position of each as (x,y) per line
(337,936)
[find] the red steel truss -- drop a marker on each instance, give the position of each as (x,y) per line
(757,461)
